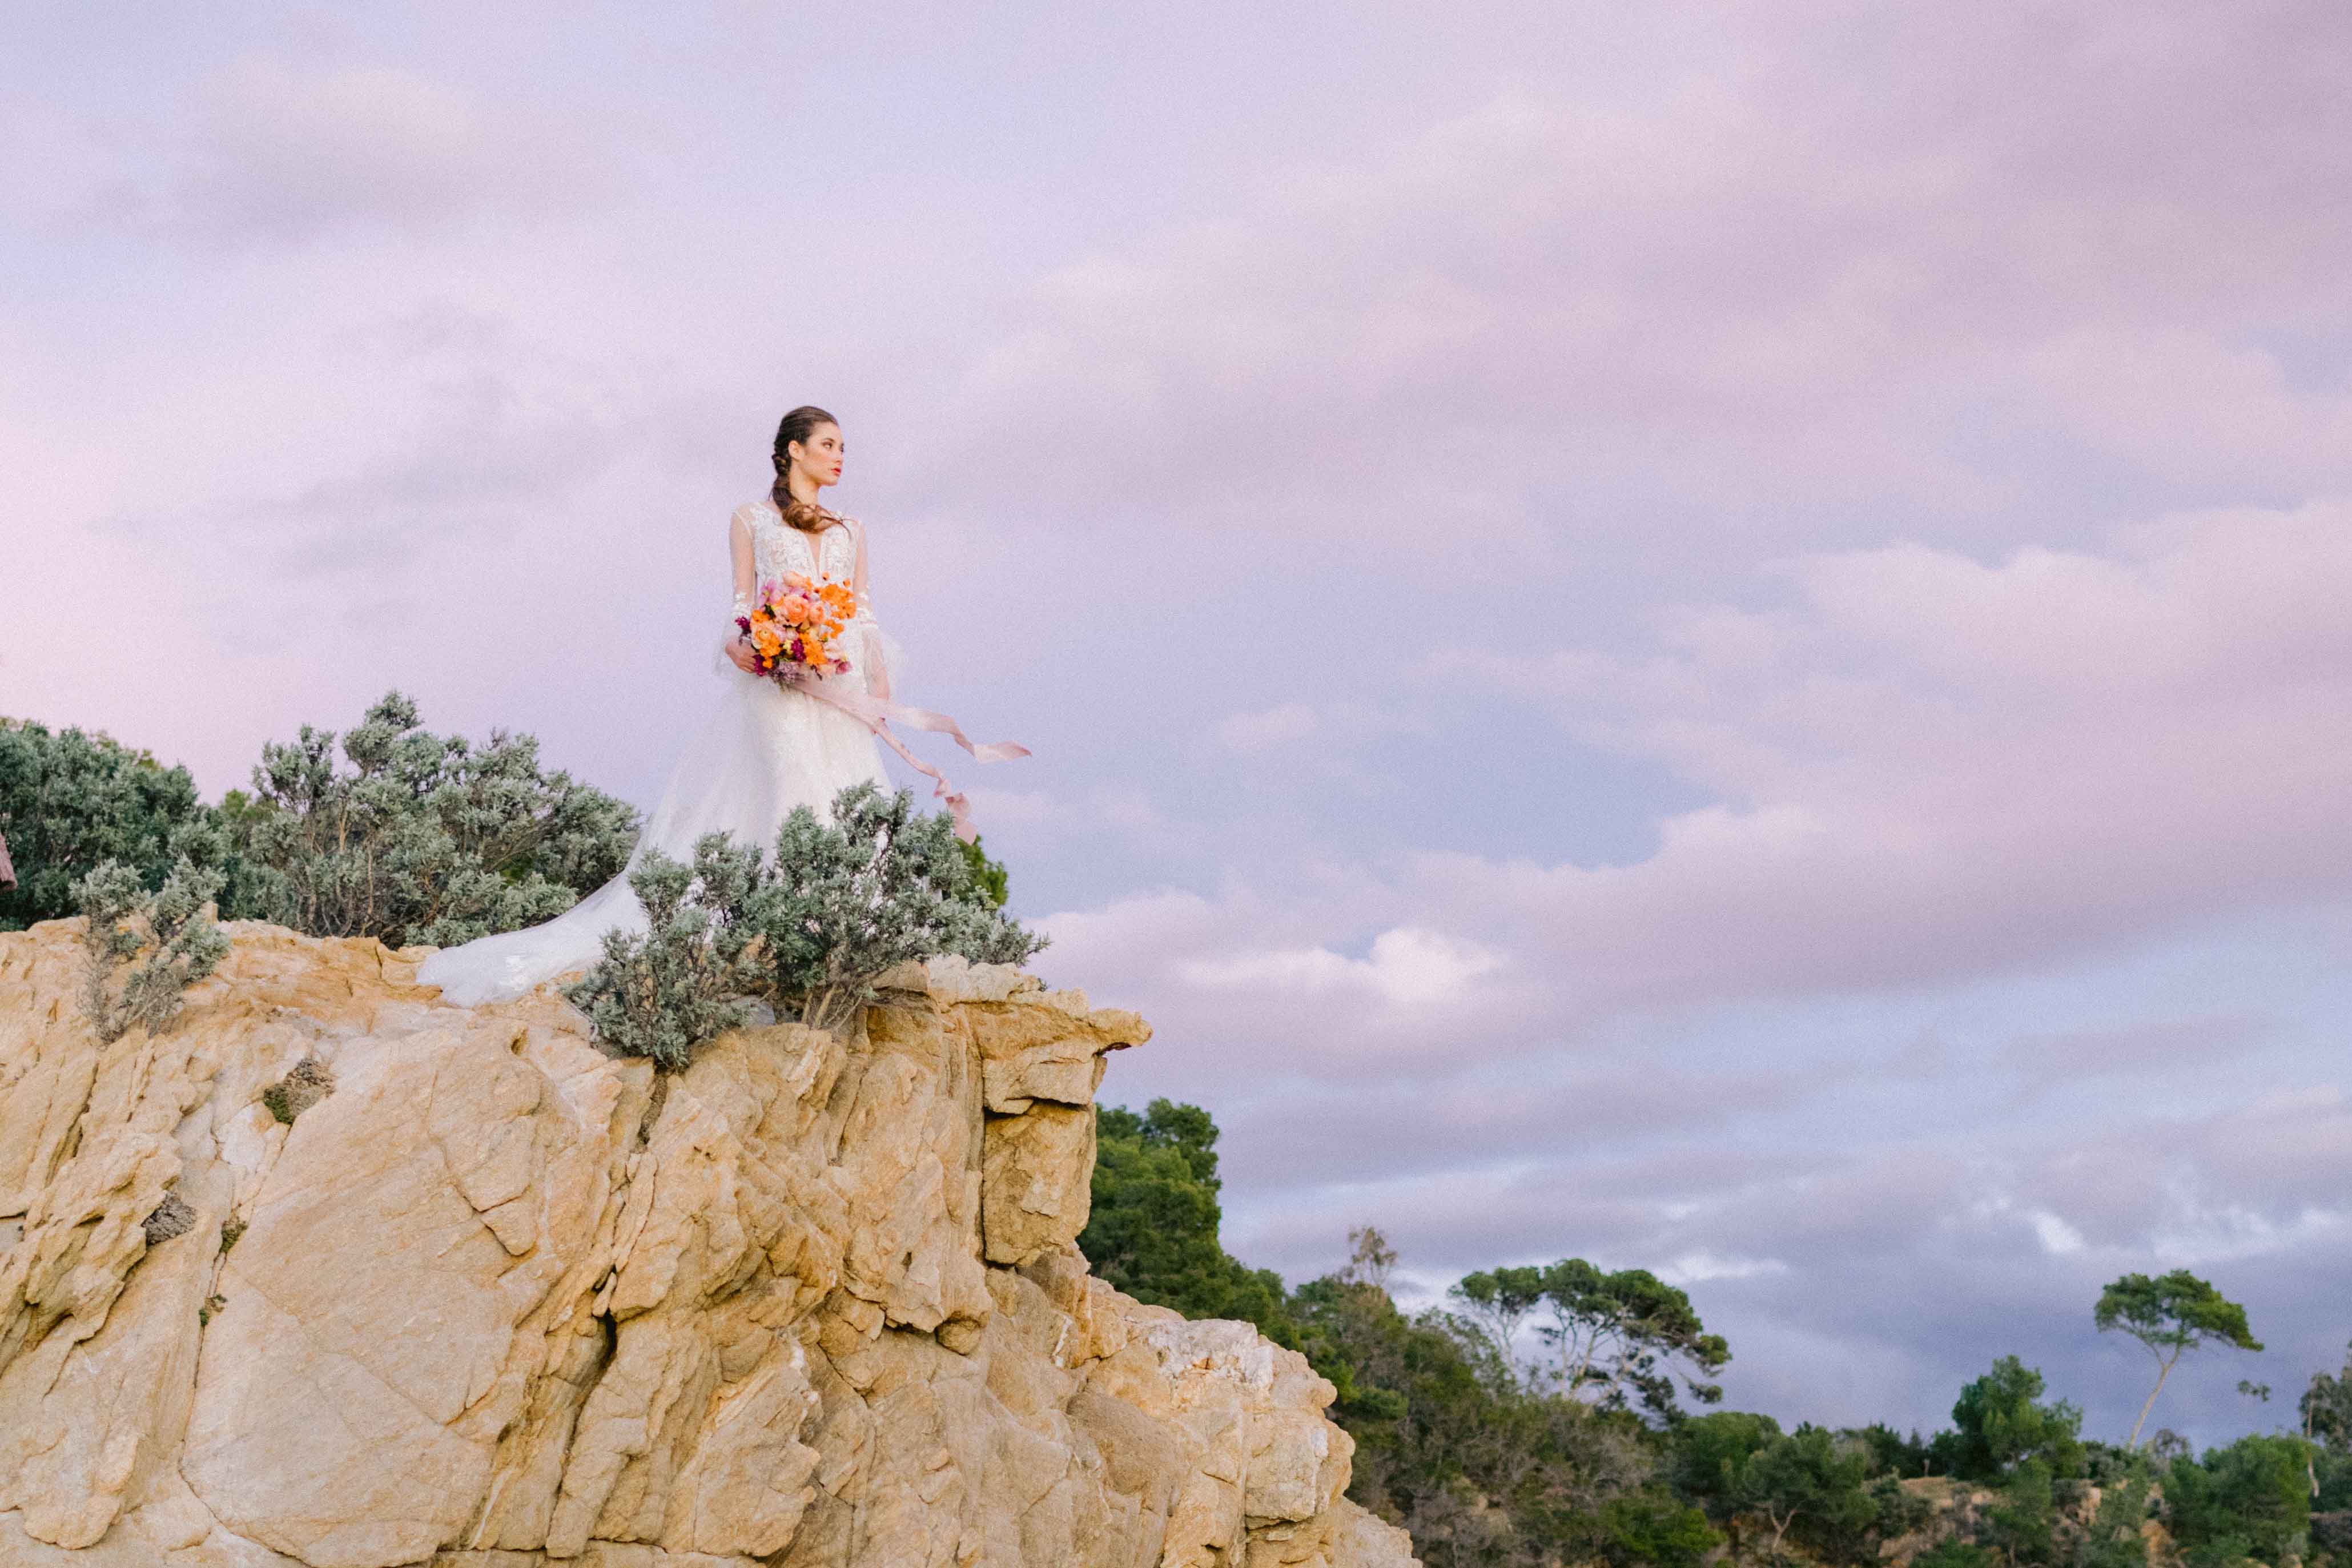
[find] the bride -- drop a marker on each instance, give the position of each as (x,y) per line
(768,747)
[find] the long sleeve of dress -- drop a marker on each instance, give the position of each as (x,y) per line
(877,656)
(744,565)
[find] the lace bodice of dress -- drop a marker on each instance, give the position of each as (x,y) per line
(779,549)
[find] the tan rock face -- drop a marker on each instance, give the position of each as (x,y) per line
(497,1301)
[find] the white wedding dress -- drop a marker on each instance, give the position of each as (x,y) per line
(764,751)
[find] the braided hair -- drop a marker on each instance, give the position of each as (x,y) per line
(798,426)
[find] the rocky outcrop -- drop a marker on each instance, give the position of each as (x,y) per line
(335,1274)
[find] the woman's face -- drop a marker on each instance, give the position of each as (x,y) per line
(820,456)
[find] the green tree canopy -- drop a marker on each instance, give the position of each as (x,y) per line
(2325,1407)
(2000,1422)
(72,800)
(1654,1529)
(2248,1499)
(1482,1468)
(1809,1485)
(1153,1230)
(2171,1314)
(1499,1302)
(988,876)
(1768,1490)
(1713,1458)
(1622,1338)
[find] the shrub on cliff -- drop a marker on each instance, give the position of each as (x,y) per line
(810,932)
(171,926)
(425,838)
(71,801)
(662,992)
(877,887)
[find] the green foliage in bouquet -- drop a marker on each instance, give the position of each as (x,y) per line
(425,839)
(171,926)
(810,932)
(71,800)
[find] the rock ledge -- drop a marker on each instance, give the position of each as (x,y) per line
(489,1301)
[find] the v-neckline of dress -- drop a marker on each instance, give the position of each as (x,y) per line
(813,542)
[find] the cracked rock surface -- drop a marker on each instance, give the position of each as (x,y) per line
(490,1300)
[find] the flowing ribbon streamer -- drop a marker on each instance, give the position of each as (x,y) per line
(876,714)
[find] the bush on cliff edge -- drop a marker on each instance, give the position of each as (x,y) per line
(173,928)
(425,838)
(811,931)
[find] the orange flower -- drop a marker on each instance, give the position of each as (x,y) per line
(798,620)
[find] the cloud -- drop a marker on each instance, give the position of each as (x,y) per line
(2046,1060)
(1406,967)
(1737,283)
(1929,765)
(286,153)
(1508,1114)
(2057,1237)
(1699,1268)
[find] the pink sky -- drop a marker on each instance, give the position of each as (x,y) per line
(1711,636)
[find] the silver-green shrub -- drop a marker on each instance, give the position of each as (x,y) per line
(810,932)
(877,887)
(425,838)
(661,992)
(172,927)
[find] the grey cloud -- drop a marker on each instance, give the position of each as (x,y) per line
(2158,1047)
(1295,1139)
(1933,766)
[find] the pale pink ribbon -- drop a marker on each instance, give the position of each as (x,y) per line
(876,714)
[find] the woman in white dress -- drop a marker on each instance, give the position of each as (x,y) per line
(767,748)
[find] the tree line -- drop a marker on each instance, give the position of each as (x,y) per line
(1560,1414)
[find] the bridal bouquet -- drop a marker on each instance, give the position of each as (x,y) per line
(794,623)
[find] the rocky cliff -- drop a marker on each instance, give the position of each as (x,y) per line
(335,1274)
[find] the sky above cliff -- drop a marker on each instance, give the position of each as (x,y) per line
(1708,637)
